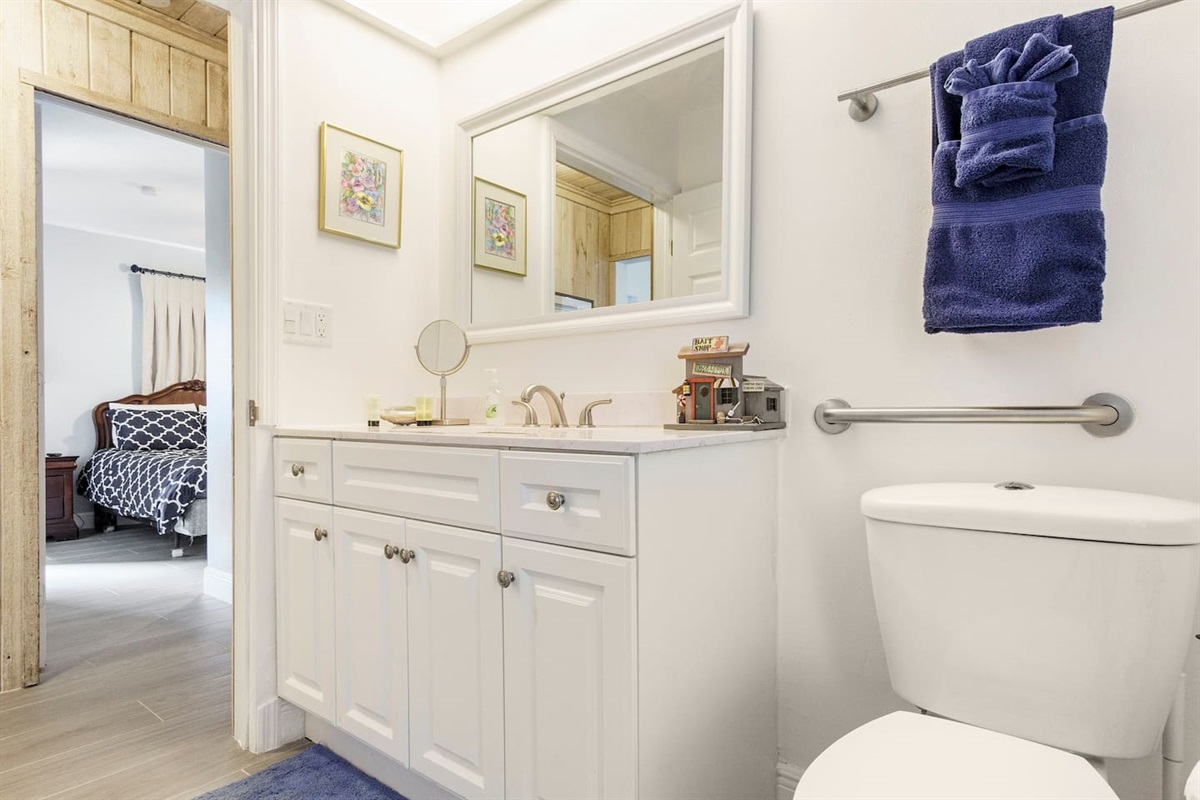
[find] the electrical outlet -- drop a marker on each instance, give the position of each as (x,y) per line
(307,323)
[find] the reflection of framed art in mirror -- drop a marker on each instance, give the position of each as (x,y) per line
(499,228)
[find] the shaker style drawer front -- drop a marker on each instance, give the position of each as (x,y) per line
(582,501)
(302,469)
(452,485)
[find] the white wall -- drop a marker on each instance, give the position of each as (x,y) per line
(337,69)
(218,353)
(92,326)
(841,213)
(517,157)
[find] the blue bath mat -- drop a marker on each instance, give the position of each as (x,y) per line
(315,774)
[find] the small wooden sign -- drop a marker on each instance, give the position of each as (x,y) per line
(718,370)
(754,385)
(710,344)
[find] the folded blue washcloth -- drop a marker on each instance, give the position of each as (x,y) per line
(1008,112)
(1027,252)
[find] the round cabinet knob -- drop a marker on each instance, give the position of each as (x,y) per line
(505,578)
(555,500)
(320,533)
(407,555)
(297,470)
(389,551)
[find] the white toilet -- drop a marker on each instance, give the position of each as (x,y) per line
(1036,623)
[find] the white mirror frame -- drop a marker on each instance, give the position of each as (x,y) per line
(733,26)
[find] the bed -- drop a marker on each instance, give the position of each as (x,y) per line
(162,484)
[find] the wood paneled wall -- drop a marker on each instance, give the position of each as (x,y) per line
(632,233)
(135,62)
(582,265)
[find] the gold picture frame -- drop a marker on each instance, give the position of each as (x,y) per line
(360,188)
(499,229)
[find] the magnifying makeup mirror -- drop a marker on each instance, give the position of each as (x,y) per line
(442,349)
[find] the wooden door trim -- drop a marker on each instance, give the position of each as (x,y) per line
(69,91)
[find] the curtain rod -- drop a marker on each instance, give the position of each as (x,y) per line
(136,268)
(863,102)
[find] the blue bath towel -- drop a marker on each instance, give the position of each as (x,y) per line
(1027,252)
(1008,112)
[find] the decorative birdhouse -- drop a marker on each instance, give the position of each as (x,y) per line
(715,391)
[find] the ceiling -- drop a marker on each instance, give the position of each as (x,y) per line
(94,168)
(438,27)
(595,188)
(196,14)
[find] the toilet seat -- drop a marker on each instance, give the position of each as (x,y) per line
(919,757)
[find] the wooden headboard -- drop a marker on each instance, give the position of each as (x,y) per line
(186,392)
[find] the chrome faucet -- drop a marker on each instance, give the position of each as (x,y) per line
(558,415)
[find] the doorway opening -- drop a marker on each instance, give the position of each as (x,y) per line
(135,350)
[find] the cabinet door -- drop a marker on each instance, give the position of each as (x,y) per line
(304,594)
(456,696)
(570,665)
(371,590)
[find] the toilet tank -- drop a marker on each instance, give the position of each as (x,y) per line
(1056,614)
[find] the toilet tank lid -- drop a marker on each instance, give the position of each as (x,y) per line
(1062,512)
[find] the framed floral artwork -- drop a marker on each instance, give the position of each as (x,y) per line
(361,184)
(499,228)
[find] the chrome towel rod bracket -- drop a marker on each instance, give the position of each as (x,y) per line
(1102,414)
(863,101)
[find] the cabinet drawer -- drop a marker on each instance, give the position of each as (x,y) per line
(302,469)
(597,510)
(440,484)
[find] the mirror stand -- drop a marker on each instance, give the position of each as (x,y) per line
(442,418)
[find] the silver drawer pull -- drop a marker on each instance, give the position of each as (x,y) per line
(297,470)
(389,551)
(555,500)
(407,555)
(320,533)
(505,578)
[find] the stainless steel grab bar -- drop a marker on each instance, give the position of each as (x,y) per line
(1101,414)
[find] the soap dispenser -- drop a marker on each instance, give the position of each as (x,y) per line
(491,400)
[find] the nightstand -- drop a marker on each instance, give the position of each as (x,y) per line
(60,497)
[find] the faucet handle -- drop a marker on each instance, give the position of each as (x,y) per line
(531,419)
(585,416)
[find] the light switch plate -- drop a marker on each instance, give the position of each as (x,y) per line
(307,323)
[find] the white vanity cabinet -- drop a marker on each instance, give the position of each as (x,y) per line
(304,601)
(570,673)
(511,622)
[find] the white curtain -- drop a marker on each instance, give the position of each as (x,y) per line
(172,331)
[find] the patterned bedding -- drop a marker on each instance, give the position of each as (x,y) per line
(157,485)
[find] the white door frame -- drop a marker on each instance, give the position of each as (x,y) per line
(261,721)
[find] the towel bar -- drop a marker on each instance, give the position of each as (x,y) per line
(863,101)
(1101,414)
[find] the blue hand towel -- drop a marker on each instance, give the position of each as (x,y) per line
(1027,253)
(1008,112)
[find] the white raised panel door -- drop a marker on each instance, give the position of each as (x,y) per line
(456,679)
(371,604)
(570,665)
(304,594)
(696,241)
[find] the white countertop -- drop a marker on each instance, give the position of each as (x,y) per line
(630,439)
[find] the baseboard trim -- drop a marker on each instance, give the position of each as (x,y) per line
(279,722)
(787,776)
(218,584)
(380,767)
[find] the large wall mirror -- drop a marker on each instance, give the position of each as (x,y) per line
(616,197)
